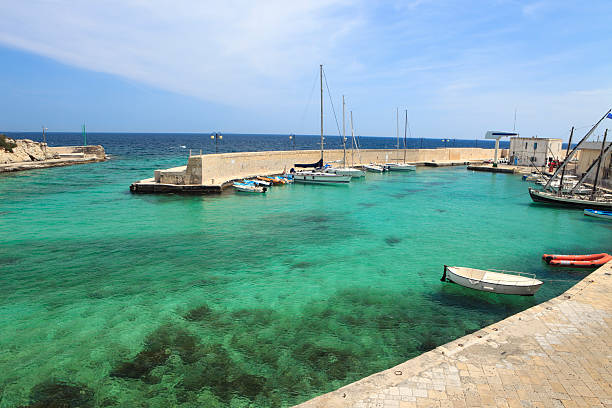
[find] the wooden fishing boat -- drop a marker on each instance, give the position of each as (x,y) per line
(582,261)
(269,180)
(575,197)
(517,283)
(258,182)
(603,202)
(606,215)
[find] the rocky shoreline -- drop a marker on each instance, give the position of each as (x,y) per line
(27,154)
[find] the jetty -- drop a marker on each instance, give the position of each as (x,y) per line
(26,154)
(210,173)
(555,354)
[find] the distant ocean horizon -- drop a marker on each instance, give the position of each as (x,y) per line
(156,144)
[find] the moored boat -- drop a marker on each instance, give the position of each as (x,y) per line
(603,202)
(375,168)
(495,282)
(583,261)
(345,171)
(606,215)
(400,166)
(258,182)
(320,177)
(249,188)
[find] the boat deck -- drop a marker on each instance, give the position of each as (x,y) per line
(494,277)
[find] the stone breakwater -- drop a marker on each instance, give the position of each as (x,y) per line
(28,154)
(211,172)
(555,354)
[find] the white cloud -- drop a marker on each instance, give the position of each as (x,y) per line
(233,52)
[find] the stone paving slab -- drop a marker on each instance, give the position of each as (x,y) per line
(556,354)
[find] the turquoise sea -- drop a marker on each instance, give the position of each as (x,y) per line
(109,299)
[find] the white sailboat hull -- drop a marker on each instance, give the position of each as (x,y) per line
(373,168)
(319,177)
(400,167)
(346,171)
(494,282)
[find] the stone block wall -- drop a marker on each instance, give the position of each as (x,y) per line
(216,169)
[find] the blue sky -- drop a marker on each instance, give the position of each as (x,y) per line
(460,68)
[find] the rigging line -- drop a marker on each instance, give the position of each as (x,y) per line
(314,84)
(332,104)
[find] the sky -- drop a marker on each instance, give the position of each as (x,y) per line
(459,68)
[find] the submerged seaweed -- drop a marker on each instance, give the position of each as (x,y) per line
(59,394)
(392,240)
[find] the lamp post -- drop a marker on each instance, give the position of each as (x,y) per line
(292,138)
(44,129)
(216,137)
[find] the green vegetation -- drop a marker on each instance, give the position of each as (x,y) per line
(5,144)
(260,357)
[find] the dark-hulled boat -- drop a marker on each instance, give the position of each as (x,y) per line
(575,201)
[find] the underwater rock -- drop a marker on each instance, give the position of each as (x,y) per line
(199,313)
(302,265)
(159,345)
(59,394)
(392,240)
(143,363)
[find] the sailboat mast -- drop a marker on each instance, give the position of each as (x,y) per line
(603,144)
(321,78)
(405,130)
(571,154)
(343,133)
(569,145)
(397,128)
(352,141)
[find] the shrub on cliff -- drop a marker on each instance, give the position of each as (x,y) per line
(5,144)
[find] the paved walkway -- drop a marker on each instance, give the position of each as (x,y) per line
(556,354)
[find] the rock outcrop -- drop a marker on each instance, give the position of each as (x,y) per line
(27,151)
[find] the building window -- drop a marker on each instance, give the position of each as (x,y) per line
(535,146)
(525,145)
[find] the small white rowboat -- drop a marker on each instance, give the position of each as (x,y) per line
(495,282)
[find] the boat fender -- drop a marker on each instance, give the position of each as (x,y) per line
(443,279)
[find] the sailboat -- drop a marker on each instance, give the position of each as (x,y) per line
(401,166)
(316,175)
(345,170)
(597,200)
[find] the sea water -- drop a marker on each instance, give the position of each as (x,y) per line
(113,299)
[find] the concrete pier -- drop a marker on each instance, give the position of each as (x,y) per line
(555,354)
(212,172)
(47,156)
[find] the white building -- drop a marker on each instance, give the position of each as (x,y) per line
(527,151)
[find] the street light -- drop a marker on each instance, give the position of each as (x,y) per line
(216,137)
(292,138)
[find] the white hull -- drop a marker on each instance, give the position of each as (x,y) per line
(318,177)
(400,167)
(249,188)
(346,171)
(373,168)
(494,282)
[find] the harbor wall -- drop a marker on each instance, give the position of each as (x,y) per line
(216,169)
(555,354)
(78,151)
